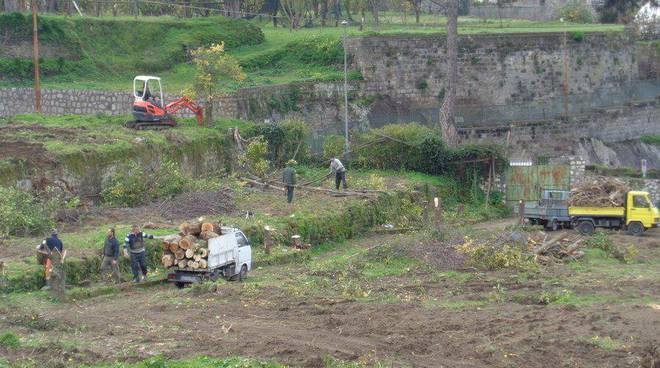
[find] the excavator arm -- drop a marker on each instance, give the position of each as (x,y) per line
(183,103)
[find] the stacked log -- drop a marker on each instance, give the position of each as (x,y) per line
(189,249)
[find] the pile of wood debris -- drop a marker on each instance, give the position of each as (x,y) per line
(601,192)
(189,249)
(562,247)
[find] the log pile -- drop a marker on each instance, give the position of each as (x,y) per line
(560,248)
(189,249)
(602,192)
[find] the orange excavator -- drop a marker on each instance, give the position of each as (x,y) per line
(149,109)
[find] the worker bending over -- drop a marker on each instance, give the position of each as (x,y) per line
(289,179)
(52,252)
(134,244)
(340,172)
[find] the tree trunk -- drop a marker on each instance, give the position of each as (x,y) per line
(203,263)
(417,4)
(167,260)
(324,12)
(347,5)
(180,254)
(268,239)
(190,253)
(97,8)
(375,11)
(447,120)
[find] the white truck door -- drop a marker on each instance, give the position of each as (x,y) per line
(244,252)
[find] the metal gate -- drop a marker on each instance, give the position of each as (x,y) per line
(526,182)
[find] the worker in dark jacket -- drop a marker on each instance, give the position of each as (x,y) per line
(110,265)
(289,179)
(53,251)
(134,244)
(340,172)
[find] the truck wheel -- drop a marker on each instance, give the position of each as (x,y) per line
(586,228)
(552,225)
(635,228)
(180,285)
(243,274)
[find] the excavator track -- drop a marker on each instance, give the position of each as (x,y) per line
(150,125)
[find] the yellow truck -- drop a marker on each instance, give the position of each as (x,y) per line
(638,215)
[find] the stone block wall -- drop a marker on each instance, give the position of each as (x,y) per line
(493,69)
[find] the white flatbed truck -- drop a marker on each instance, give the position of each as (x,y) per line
(230,256)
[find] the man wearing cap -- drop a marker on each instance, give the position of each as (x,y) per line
(289,179)
(134,244)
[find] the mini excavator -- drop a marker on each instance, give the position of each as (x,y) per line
(149,109)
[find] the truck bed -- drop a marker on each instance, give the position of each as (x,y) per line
(597,211)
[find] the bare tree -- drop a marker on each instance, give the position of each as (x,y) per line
(374,5)
(448,110)
(417,6)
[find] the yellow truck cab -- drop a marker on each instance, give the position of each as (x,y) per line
(638,215)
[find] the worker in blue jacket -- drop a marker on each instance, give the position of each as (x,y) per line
(110,264)
(134,244)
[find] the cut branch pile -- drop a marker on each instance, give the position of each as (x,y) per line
(560,248)
(602,192)
(189,249)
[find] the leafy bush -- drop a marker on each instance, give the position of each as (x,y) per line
(135,184)
(21,213)
(577,11)
(493,257)
(600,240)
(285,139)
(333,146)
(9,339)
(254,158)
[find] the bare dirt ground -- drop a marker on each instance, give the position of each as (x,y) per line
(433,317)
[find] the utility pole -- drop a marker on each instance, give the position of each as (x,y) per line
(565,72)
(346,144)
(35,56)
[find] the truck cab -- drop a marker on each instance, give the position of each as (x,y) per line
(641,210)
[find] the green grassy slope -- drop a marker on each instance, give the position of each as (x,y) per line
(113,51)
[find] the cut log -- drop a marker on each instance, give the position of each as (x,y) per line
(190,253)
(206,235)
(207,226)
(190,228)
(203,252)
(197,257)
(217,228)
(183,263)
(174,247)
(180,254)
(203,263)
(187,242)
(296,241)
(167,260)
(193,265)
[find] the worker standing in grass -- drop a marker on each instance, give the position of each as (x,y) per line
(110,264)
(134,244)
(289,179)
(53,253)
(340,172)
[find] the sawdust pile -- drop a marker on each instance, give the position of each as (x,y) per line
(195,204)
(601,192)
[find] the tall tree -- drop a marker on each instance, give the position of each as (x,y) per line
(448,110)
(417,6)
(294,10)
(374,6)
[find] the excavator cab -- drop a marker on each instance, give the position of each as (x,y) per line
(149,108)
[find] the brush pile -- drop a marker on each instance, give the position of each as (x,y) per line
(601,192)
(560,248)
(189,249)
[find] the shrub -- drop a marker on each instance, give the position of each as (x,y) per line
(9,339)
(493,257)
(333,146)
(577,11)
(254,158)
(600,240)
(135,184)
(21,213)
(285,139)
